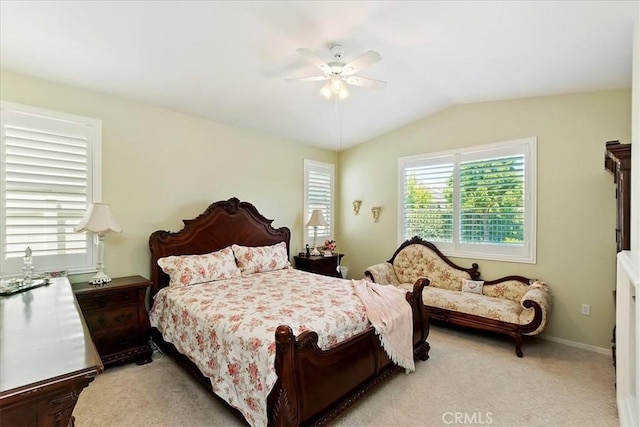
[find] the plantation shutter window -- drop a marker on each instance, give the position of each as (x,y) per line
(492,199)
(428,203)
(478,202)
(47,182)
(319,194)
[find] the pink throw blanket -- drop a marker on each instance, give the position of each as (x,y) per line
(391,316)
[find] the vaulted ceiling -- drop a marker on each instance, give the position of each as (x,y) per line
(228,61)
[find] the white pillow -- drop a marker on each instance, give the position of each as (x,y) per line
(258,259)
(472,286)
(185,270)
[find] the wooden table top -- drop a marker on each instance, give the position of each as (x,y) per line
(43,338)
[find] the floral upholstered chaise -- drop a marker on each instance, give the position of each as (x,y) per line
(512,305)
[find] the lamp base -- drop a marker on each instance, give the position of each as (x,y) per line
(315,252)
(99,279)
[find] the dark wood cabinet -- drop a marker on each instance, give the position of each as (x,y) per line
(117,318)
(617,160)
(46,356)
(325,265)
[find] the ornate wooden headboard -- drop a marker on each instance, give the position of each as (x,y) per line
(220,225)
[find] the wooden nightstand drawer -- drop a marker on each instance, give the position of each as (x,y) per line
(89,302)
(116,316)
(117,341)
(100,320)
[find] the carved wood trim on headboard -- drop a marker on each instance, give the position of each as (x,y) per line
(222,224)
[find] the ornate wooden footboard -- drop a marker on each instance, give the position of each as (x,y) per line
(313,385)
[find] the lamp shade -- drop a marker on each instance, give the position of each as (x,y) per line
(98,219)
(316,219)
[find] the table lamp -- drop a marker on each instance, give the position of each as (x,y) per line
(316,220)
(99,221)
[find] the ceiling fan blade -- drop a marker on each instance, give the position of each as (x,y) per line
(307,79)
(365,82)
(313,58)
(364,60)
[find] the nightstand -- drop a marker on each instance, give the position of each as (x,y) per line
(117,319)
(325,265)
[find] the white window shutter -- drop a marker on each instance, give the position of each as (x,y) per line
(319,194)
(427,199)
(478,202)
(47,182)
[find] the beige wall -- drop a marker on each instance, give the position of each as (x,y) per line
(161,166)
(576,201)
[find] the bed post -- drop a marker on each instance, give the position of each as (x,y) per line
(286,406)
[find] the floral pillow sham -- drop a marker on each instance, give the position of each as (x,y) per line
(260,259)
(186,270)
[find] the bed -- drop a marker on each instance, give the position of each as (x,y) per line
(312,385)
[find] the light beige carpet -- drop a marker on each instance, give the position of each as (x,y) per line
(470,379)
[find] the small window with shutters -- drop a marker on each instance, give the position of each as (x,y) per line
(49,174)
(479,202)
(318,194)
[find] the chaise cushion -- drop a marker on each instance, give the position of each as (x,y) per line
(500,309)
(383,273)
(512,290)
(417,261)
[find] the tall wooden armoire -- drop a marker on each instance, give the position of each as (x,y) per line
(617,159)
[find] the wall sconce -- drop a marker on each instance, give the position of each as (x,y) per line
(356,206)
(375,211)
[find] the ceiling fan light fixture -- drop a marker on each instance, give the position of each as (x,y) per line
(329,91)
(339,74)
(337,85)
(326,91)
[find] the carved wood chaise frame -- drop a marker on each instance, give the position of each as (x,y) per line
(313,385)
(515,331)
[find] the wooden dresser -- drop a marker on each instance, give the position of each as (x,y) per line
(46,356)
(117,318)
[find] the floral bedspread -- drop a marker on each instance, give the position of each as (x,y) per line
(227,327)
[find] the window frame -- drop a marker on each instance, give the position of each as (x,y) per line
(73,264)
(455,248)
(307,234)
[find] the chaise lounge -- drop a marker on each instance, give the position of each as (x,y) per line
(511,305)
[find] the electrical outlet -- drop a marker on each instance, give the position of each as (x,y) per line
(586,309)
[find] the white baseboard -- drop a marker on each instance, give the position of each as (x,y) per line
(577,344)
(627,414)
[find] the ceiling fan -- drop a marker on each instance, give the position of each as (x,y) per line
(340,74)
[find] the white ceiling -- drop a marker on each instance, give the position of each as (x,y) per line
(227,61)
